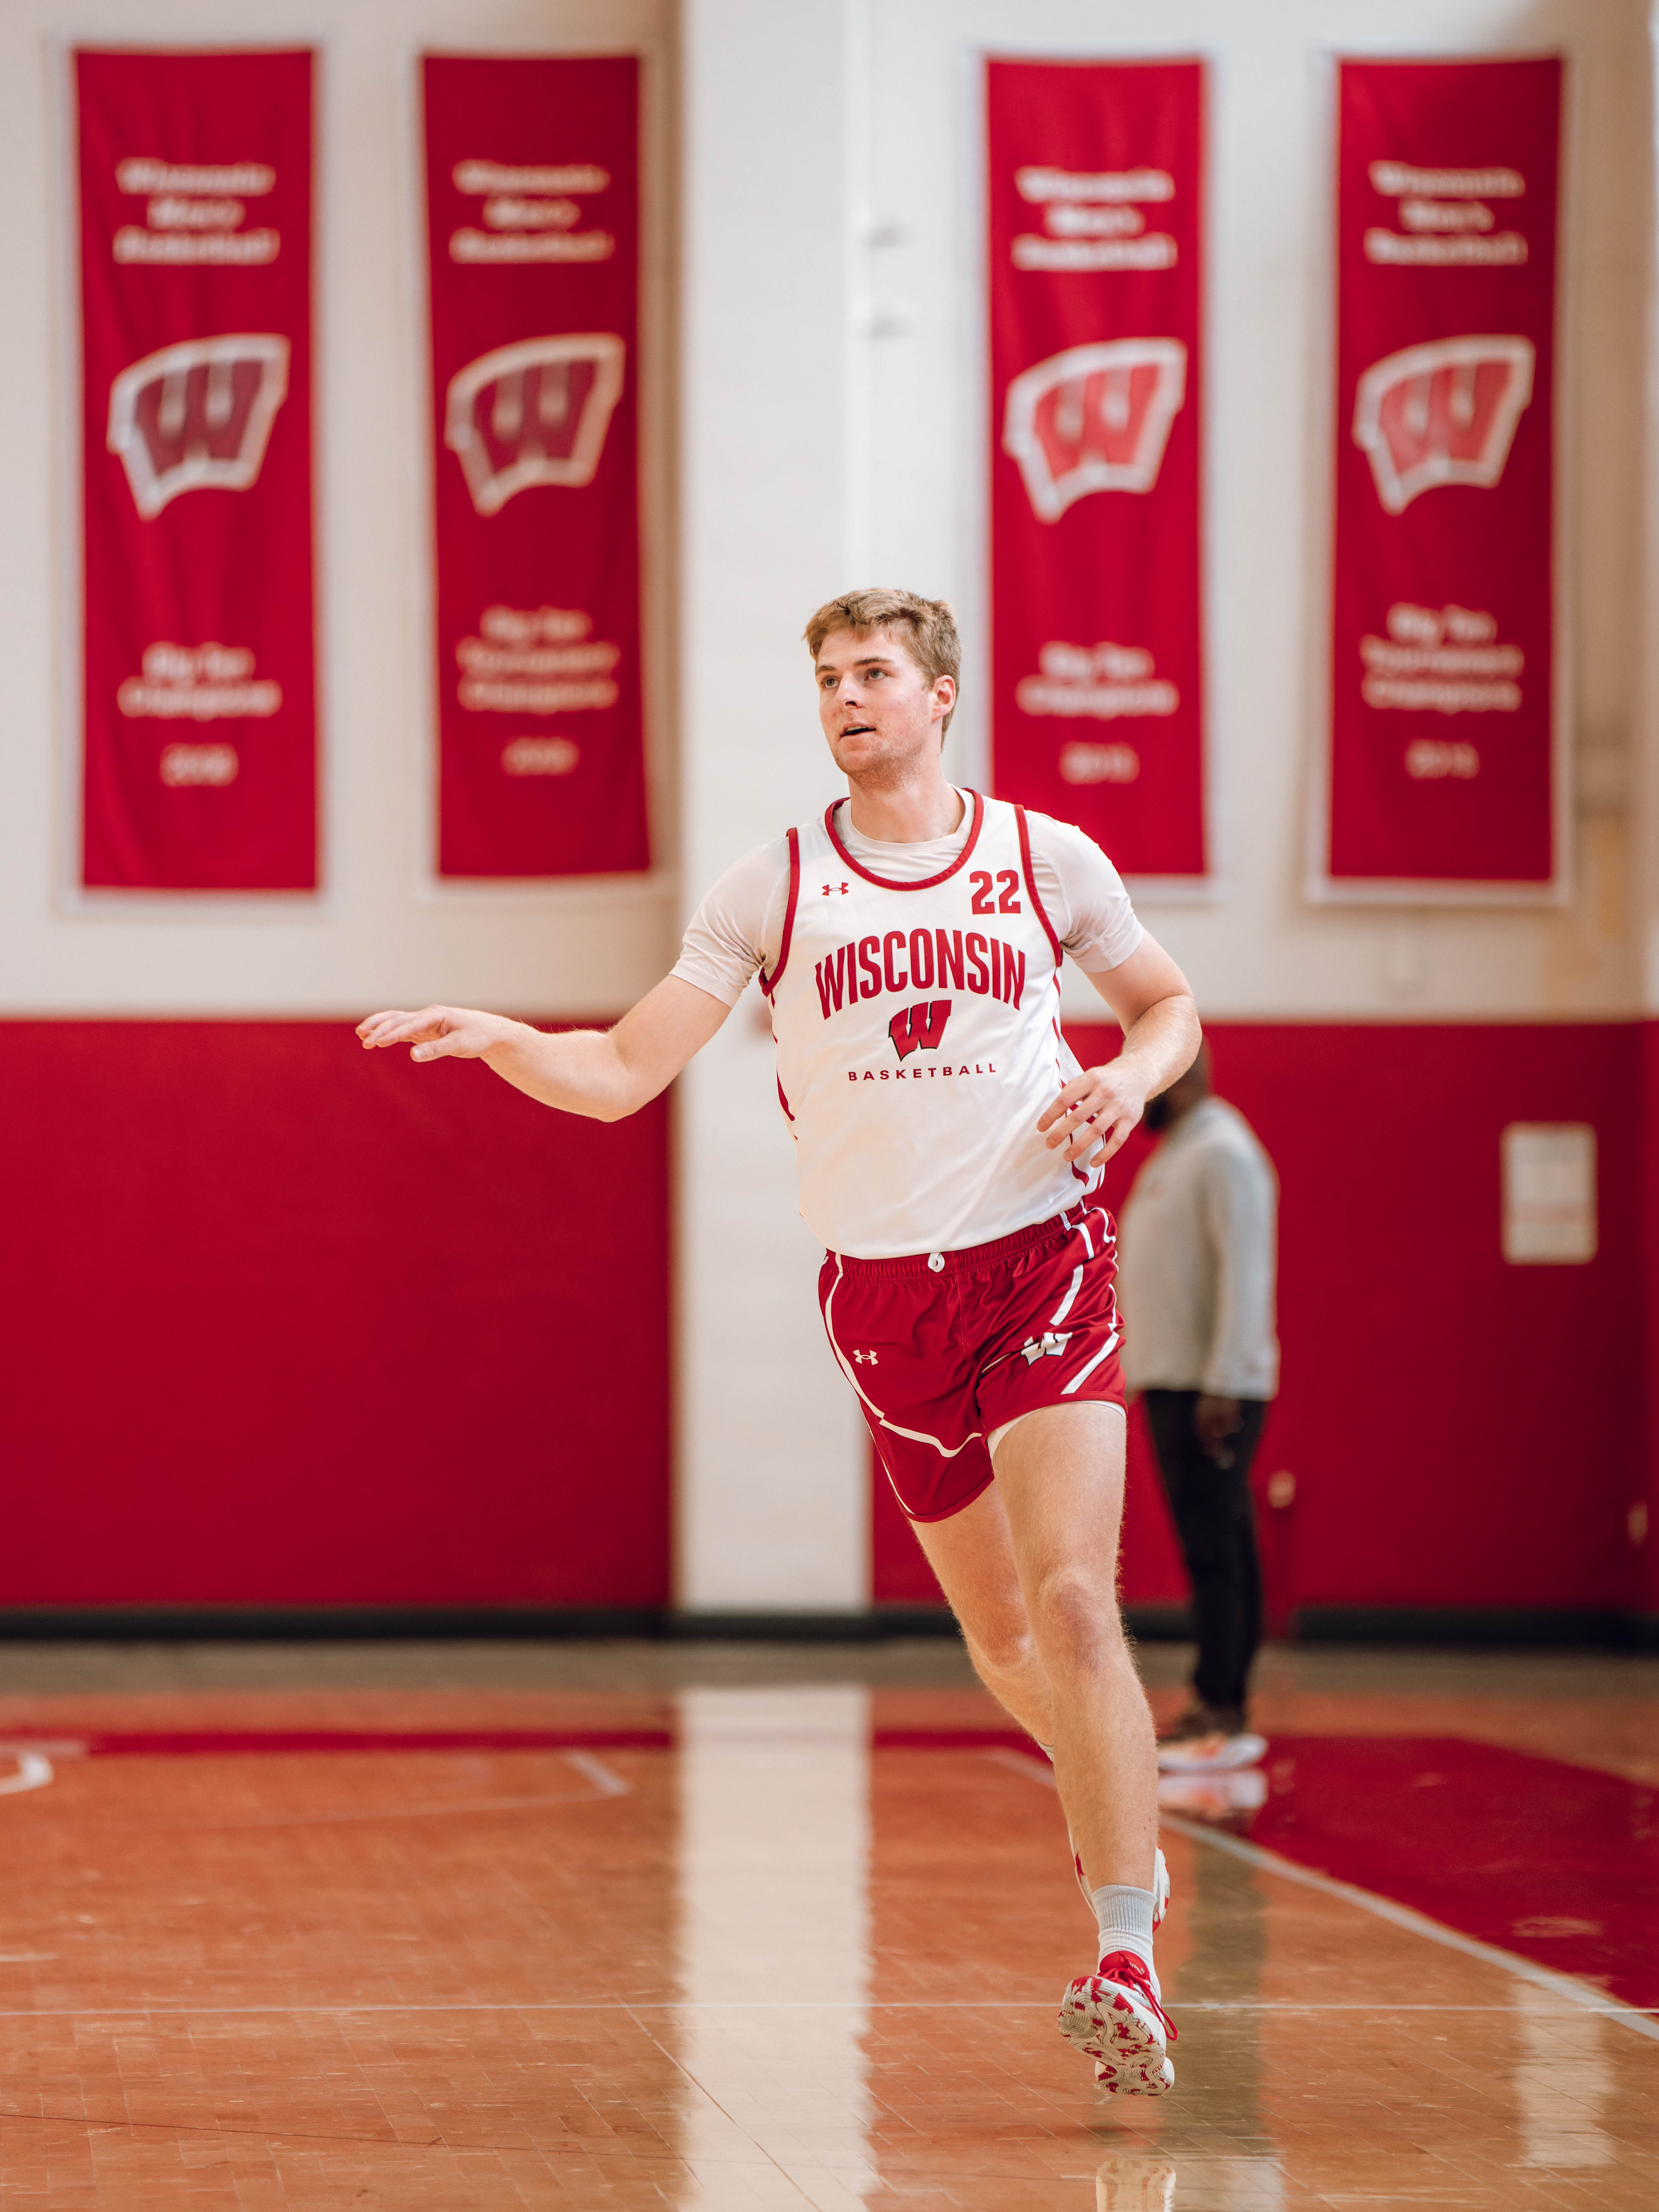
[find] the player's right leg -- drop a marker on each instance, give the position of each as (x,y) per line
(1033,1590)
(1060,1480)
(1008,1579)
(1059,1470)
(972,1554)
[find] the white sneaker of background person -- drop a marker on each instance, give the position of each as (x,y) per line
(1209,1743)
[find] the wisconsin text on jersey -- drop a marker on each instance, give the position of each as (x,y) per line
(870,966)
(925,959)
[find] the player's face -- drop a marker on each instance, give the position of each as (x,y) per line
(879,711)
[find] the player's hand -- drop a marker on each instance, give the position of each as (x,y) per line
(1094,1113)
(436,1032)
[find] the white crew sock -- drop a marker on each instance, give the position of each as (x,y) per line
(1124,1915)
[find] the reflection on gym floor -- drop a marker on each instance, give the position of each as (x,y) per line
(588,1935)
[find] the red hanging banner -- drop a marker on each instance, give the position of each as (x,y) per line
(199,666)
(1094,181)
(532,210)
(1441,769)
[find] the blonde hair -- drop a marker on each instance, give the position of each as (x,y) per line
(927,626)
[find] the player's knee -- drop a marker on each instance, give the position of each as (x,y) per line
(1005,1647)
(1077,1623)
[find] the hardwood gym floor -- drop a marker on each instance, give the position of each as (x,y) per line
(441,1928)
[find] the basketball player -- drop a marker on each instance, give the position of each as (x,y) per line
(909,942)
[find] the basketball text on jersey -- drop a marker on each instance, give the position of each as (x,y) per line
(941,997)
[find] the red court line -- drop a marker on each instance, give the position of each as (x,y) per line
(916,1739)
(172,1743)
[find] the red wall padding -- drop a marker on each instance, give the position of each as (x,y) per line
(285,1322)
(1463,1432)
(1649,1231)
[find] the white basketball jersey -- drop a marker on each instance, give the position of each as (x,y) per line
(918,1035)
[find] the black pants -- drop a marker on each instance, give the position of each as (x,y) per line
(1215,1520)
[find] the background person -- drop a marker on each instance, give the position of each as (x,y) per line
(1198,1255)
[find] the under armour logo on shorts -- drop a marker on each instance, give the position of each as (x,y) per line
(861,1357)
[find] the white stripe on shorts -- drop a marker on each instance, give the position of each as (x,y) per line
(1084,1373)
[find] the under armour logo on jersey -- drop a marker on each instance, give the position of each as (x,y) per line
(919,1028)
(1047,1346)
(830,890)
(863,1358)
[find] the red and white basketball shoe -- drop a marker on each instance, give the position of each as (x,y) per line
(1114,2016)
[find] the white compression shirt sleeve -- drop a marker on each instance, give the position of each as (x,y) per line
(1084,894)
(739,925)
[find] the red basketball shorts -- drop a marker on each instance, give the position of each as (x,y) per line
(945,1349)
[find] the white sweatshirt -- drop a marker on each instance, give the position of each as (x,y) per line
(1197,1258)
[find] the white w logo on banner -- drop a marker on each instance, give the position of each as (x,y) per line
(1093,418)
(1445,413)
(535,413)
(197,416)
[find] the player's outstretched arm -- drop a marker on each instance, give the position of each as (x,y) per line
(604,1073)
(1154,1003)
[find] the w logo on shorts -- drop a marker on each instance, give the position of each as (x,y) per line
(920,1027)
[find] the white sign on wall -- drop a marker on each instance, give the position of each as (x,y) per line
(1549,1192)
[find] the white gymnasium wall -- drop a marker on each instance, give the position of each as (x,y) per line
(1261,949)
(383,932)
(772,1488)
(814,420)
(1644,860)
(833,434)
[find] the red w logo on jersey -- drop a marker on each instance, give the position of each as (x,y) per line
(919,1028)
